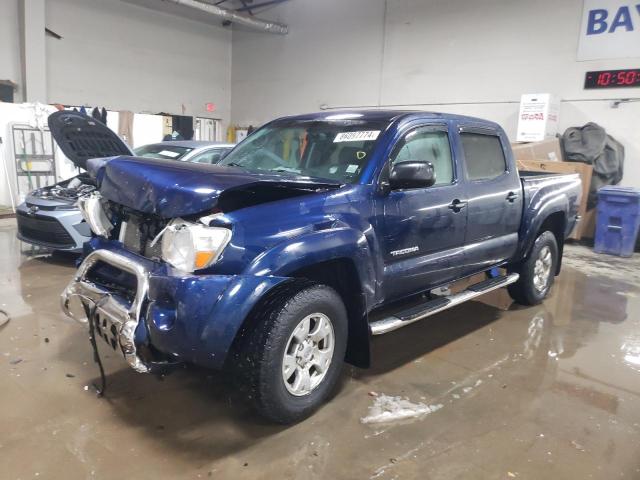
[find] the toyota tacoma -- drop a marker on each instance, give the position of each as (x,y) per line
(313,234)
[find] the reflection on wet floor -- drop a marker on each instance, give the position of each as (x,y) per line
(542,392)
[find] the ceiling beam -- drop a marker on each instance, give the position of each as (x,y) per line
(209,7)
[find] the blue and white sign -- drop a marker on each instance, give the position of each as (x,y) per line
(609,29)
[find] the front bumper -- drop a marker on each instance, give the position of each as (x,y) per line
(51,228)
(123,315)
(182,317)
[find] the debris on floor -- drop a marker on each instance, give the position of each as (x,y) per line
(388,408)
(4,317)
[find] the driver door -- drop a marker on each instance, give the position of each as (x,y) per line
(423,229)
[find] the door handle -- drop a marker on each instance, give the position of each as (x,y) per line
(457,205)
(511,197)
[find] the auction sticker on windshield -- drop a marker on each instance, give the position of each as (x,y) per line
(356,136)
(169,153)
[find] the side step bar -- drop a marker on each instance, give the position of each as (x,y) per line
(437,305)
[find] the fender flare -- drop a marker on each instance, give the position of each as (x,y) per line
(322,246)
(316,247)
(539,214)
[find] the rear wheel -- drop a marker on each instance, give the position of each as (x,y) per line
(290,362)
(536,272)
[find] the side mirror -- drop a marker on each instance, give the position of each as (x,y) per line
(412,175)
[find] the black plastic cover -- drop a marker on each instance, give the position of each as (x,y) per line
(81,137)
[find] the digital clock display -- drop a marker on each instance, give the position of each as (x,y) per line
(613,78)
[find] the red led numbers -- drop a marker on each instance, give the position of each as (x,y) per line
(612,78)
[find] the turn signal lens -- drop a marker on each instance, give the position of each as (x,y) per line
(203,259)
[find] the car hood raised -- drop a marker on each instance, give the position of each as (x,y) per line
(174,189)
(81,137)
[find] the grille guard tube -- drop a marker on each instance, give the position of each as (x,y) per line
(124,317)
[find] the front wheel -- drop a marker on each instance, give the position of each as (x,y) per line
(536,272)
(291,360)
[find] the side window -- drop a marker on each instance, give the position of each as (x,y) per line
(210,156)
(483,156)
(427,145)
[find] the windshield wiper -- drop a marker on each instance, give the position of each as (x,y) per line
(286,170)
(233,164)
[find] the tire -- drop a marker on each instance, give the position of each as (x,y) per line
(543,260)
(275,339)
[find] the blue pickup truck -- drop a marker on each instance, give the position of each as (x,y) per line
(313,234)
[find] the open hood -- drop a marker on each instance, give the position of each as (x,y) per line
(81,137)
(176,189)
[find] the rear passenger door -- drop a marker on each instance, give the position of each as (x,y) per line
(494,194)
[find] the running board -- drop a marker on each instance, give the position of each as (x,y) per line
(439,304)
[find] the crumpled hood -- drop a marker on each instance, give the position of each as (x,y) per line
(174,189)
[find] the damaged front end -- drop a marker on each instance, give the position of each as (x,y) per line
(142,285)
(158,316)
(113,286)
(148,281)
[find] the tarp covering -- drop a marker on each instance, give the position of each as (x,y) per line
(590,144)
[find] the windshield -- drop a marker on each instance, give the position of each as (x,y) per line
(167,152)
(336,150)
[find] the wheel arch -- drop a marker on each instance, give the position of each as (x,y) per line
(555,223)
(338,257)
(339,274)
(342,275)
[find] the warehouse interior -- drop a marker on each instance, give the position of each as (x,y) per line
(492,388)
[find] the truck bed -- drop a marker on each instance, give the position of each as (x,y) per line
(550,191)
(530,174)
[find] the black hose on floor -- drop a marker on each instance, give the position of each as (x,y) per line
(91,314)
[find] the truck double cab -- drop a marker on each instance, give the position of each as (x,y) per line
(314,233)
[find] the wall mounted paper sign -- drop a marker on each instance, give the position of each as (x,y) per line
(241,134)
(609,29)
(365,135)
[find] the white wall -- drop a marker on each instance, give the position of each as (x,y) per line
(127,57)
(331,55)
(10,57)
(476,58)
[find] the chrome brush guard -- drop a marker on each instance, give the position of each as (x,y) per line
(122,315)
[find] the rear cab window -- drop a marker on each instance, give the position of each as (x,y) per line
(483,155)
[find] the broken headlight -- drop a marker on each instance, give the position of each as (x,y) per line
(191,246)
(94,214)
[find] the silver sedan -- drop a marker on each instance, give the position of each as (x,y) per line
(49,217)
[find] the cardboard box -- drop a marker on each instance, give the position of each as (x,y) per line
(548,150)
(538,117)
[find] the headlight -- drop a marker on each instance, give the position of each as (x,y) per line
(94,214)
(191,246)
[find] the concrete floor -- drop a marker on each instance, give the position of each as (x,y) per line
(545,392)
